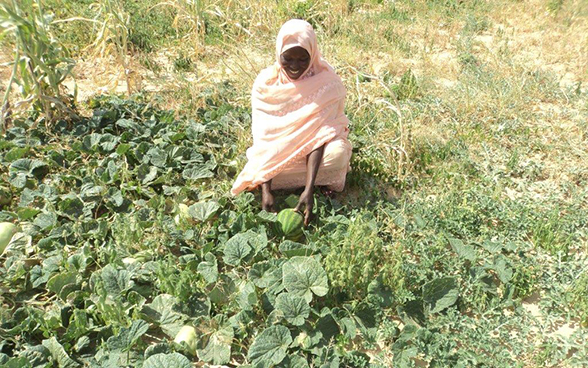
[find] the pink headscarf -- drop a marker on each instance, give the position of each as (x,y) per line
(291,118)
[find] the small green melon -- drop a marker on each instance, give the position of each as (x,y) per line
(290,224)
(188,336)
(7,230)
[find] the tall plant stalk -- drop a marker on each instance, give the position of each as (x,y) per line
(113,35)
(41,63)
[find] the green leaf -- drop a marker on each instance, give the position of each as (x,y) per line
(216,337)
(293,361)
(26,213)
(202,211)
(304,276)
(209,268)
(269,347)
(58,353)
(503,270)
(161,311)
(236,249)
(16,153)
(265,274)
(57,282)
(464,251)
(173,360)
(267,216)
(246,296)
(492,247)
(146,173)
(440,293)
(26,166)
(327,326)
(115,282)
(294,308)
(72,207)
(45,220)
(194,172)
(128,336)
(37,356)
(157,157)
(290,249)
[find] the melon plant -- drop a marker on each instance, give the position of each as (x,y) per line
(290,223)
(7,230)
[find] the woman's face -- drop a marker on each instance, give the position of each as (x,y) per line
(295,61)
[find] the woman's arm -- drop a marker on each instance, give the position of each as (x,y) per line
(313,161)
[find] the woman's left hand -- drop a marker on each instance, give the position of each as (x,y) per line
(306,201)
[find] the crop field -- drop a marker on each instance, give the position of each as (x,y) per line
(461,238)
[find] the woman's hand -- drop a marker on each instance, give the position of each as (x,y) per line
(267,198)
(313,161)
(307,201)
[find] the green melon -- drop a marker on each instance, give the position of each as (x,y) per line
(290,224)
(7,230)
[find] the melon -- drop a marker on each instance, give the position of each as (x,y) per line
(7,230)
(290,223)
(187,337)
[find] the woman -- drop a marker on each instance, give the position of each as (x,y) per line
(298,123)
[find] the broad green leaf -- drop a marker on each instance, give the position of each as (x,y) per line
(194,172)
(209,268)
(161,311)
(223,290)
(26,166)
(157,157)
(503,270)
(464,251)
(265,274)
(37,356)
(72,207)
(58,353)
(327,326)
(202,211)
(246,296)
(173,360)
(291,249)
(294,308)
(26,213)
(46,220)
(57,282)
(18,180)
(267,216)
(270,346)
(197,305)
(492,247)
(216,337)
(236,249)
(128,336)
(115,282)
(440,293)
(108,142)
(304,276)
(16,153)
(146,173)
(293,361)
(348,327)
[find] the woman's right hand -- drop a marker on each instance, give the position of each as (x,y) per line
(267,198)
